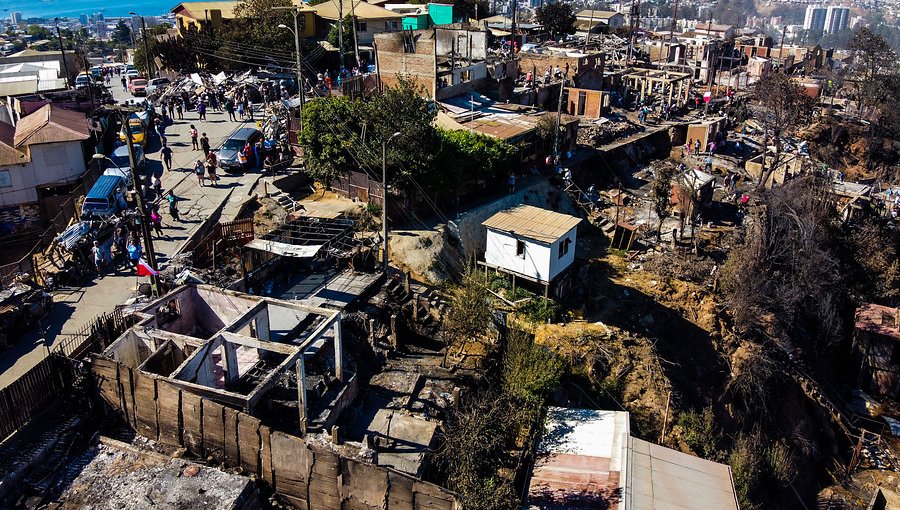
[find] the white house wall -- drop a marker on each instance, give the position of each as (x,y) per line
(50,163)
(501,251)
(558,265)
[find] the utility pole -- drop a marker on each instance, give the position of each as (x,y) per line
(146,49)
(587,36)
(355,41)
(62,52)
(562,88)
(341,31)
(672,30)
(781,48)
(384,218)
(141,215)
(296,12)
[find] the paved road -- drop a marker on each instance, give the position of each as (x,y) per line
(74,308)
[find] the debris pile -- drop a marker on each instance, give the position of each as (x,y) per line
(604,131)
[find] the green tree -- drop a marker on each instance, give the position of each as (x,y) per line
(530,371)
(330,127)
(557,18)
(121,35)
(347,47)
(469,315)
(39,32)
(467,155)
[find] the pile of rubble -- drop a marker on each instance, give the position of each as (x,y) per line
(603,131)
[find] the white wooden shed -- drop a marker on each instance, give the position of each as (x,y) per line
(528,241)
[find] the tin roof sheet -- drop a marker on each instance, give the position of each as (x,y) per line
(533,223)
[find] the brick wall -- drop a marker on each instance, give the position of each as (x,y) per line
(394,63)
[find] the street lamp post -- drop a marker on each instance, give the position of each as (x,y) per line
(384,218)
(299,56)
(141,205)
(146,50)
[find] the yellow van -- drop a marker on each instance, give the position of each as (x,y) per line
(138,127)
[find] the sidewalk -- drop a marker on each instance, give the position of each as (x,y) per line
(76,307)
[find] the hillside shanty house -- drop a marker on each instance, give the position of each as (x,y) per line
(876,342)
(589,459)
(40,159)
(528,242)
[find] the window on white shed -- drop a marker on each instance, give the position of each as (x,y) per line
(520,249)
(564,247)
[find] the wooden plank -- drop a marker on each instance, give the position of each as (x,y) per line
(232,438)
(432,497)
(126,383)
(265,456)
(192,421)
(290,463)
(168,405)
(323,481)
(145,405)
(363,485)
(401,495)
(214,430)
(249,449)
(106,374)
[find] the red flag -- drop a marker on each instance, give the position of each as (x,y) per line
(144,269)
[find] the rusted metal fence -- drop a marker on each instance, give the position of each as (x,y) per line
(356,185)
(22,400)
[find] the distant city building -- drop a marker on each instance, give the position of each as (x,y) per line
(101,30)
(15,18)
(836,19)
(815,18)
(703,12)
(99,17)
(857,21)
(83,19)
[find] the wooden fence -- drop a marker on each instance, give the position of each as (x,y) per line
(224,236)
(27,396)
(356,185)
(96,335)
(309,475)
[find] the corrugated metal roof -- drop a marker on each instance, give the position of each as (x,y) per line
(197,10)
(29,85)
(581,460)
(533,222)
(661,478)
(8,154)
(362,10)
(49,124)
(879,320)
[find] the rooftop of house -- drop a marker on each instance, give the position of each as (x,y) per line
(532,222)
(334,9)
(199,10)
(879,320)
(51,124)
(712,27)
(588,13)
(696,178)
(9,155)
(588,459)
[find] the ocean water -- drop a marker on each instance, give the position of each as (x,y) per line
(73,8)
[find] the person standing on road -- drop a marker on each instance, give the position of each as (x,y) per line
(211,163)
(179,107)
(156,220)
(98,258)
(240,109)
(124,83)
(201,110)
(201,172)
(229,107)
(173,205)
(194,138)
(156,182)
(171,107)
(134,251)
(166,152)
(204,143)
(250,108)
